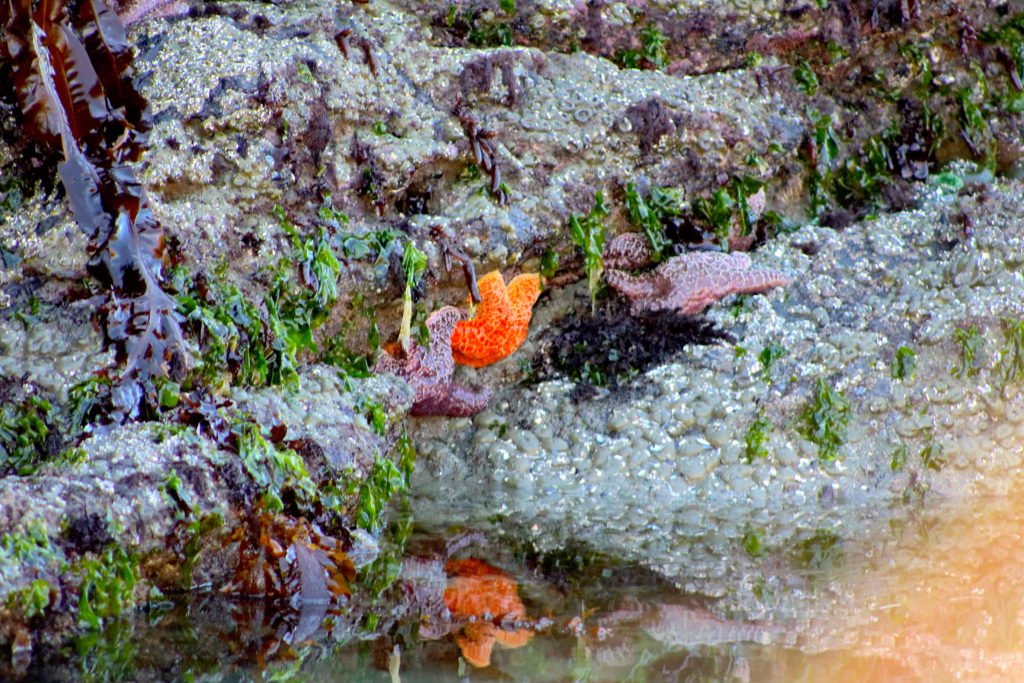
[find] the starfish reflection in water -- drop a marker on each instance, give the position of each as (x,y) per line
(428,370)
(687,283)
(480,595)
(501,321)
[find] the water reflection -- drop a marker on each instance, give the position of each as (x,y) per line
(937,595)
(934,595)
(477,596)
(947,601)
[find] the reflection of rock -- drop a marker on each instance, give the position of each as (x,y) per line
(619,643)
(682,626)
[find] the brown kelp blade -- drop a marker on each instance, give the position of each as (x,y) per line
(71,75)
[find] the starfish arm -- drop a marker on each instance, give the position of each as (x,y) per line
(632,286)
(441,323)
(488,341)
(513,639)
(523,292)
(493,294)
(451,400)
(699,280)
(388,364)
(693,301)
(628,250)
(428,370)
(472,342)
(476,642)
(501,320)
(764,279)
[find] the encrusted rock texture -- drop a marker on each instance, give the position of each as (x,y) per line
(362,109)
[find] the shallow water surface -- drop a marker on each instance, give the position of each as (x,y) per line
(940,596)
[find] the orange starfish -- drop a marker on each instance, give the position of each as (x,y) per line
(501,320)
(479,591)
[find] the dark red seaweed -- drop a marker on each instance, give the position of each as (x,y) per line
(71,76)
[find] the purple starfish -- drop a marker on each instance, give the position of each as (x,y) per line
(428,370)
(687,283)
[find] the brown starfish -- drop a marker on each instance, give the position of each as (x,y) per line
(687,283)
(428,370)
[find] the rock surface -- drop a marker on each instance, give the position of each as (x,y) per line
(659,472)
(258,106)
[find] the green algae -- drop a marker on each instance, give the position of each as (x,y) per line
(972,345)
(904,363)
(25,435)
(274,467)
(650,215)
(824,420)
(822,550)
(652,54)
(769,354)
(756,438)
(588,233)
(108,585)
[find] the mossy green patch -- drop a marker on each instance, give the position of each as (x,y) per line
(108,585)
(25,435)
(274,468)
(824,420)
(245,343)
(899,458)
(728,212)
(1010,367)
(972,345)
(385,479)
(904,363)
(755,439)
(753,543)
(805,78)
(25,552)
(823,550)
(652,54)
(769,354)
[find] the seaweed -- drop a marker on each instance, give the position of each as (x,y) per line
(972,344)
(824,420)
(70,73)
(28,435)
(651,214)
(588,233)
(611,347)
(903,364)
(755,438)
(484,153)
(652,54)
(290,559)
(108,586)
